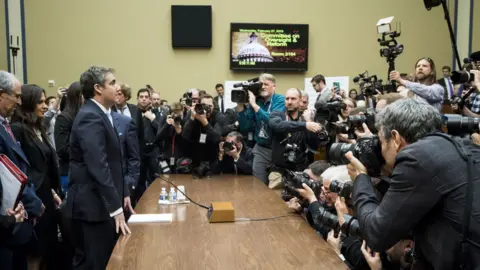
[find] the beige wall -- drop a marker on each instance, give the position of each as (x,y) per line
(134,37)
(476,26)
(3,35)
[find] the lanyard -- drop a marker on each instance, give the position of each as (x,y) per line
(173,144)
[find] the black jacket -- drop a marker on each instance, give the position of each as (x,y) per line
(174,144)
(207,151)
(42,167)
(281,129)
(96,186)
(426,197)
(244,163)
(62,130)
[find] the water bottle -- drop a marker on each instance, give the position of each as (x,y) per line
(173,195)
(163,194)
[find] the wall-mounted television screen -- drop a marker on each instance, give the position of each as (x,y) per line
(256,46)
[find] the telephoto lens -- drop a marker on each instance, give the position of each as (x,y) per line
(367,150)
(342,189)
(460,126)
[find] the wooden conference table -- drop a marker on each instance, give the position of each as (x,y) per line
(191,242)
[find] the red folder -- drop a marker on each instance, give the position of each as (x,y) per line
(16,172)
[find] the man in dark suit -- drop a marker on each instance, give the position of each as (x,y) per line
(446,83)
(12,251)
(218,101)
(97,190)
(234,156)
(427,193)
(131,110)
(127,133)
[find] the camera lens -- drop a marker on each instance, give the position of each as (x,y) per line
(462,76)
(335,186)
(337,153)
(463,125)
(355,121)
(328,219)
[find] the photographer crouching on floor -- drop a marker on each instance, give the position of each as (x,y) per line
(431,193)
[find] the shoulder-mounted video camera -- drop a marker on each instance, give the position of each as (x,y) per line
(241,95)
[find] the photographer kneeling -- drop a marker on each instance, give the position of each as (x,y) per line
(234,156)
(428,189)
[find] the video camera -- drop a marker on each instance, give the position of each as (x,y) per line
(368,84)
(328,111)
(462,126)
(293,180)
(241,95)
(367,150)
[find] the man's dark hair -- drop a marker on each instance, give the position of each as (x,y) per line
(318,167)
(218,85)
(48,99)
(447,67)
(236,134)
(318,78)
(143,90)
(93,76)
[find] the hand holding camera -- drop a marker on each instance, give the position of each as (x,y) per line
(313,127)
(307,193)
(149,115)
(170,120)
(355,167)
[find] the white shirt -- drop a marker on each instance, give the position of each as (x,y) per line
(109,115)
(126,111)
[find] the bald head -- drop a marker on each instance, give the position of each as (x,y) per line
(292,99)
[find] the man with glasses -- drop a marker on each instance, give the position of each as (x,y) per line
(319,84)
(18,231)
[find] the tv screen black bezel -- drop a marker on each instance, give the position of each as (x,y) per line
(273,25)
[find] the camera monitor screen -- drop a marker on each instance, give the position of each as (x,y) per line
(269,46)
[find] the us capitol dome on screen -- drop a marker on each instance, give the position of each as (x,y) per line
(254,51)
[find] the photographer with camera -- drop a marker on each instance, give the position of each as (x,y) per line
(234,156)
(425,84)
(175,146)
(199,131)
(428,194)
(472,108)
(290,140)
(258,114)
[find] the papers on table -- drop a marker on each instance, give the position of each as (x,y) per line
(150,218)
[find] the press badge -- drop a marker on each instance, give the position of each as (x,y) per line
(250,136)
(163,164)
(263,133)
(172,161)
(203,138)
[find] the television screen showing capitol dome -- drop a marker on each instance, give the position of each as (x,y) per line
(269,46)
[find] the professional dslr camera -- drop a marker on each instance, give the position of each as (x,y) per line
(356,121)
(367,150)
(202,170)
(241,95)
(202,109)
(342,189)
(350,227)
(368,84)
(187,98)
(462,126)
(293,180)
(227,146)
